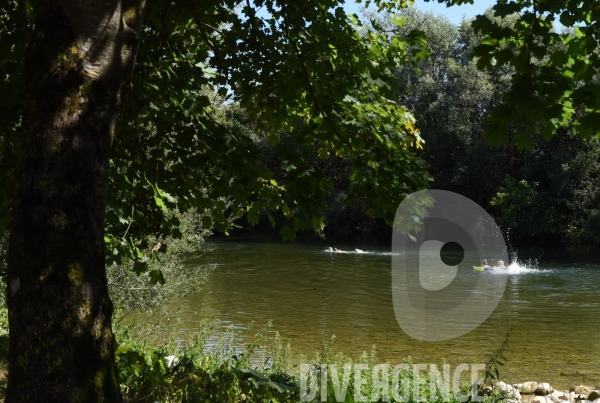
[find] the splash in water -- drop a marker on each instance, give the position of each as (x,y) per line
(521,267)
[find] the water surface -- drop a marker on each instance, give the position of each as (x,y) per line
(310,294)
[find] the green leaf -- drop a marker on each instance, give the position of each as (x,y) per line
(140,267)
(122,349)
(156,276)
(523,141)
(323,154)
(287,233)
(272,220)
(206,222)
(299,224)
(160,203)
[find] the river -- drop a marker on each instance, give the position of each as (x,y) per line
(551,299)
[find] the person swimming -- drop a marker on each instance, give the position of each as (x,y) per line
(500,265)
(336,250)
(485,265)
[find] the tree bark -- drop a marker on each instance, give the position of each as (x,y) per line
(77,69)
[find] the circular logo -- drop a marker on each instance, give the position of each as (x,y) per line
(440,285)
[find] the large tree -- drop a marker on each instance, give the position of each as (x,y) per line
(304,68)
(77,70)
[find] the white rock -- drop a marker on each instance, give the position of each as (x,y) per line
(565,397)
(543,389)
(581,389)
(526,387)
(551,398)
(576,396)
(554,397)
(171,360)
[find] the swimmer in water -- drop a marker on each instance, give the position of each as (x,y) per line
(486,267)
(336,250)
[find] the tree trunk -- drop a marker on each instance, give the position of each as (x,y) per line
(77,69)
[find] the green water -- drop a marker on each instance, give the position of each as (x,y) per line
(553,305)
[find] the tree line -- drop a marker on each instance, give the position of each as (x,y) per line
(542,194)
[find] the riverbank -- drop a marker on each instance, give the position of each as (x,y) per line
(532,392)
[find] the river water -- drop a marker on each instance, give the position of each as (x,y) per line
(551,300)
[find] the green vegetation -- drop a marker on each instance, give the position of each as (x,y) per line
(542,193)
(226,374)
(495,363)
(191,373)
(131,291)
(292,115)
(171,147)
(545,193)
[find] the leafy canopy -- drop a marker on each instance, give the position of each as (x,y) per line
(555,83)
(212,77)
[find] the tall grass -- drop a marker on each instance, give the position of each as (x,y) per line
(262,371)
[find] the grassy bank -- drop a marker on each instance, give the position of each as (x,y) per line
(224,373)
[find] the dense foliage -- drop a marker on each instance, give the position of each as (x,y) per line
(309,71)
(543,192)
(555,78)
(179,143)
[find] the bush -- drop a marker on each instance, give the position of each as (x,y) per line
(131,292)
(169,373)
